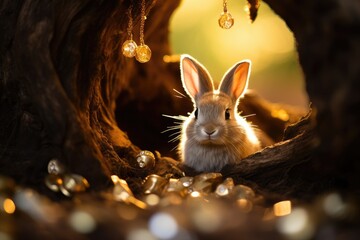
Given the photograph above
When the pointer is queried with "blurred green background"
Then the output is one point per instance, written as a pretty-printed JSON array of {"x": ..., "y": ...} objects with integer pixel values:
[{"x": 268, "y": 43}]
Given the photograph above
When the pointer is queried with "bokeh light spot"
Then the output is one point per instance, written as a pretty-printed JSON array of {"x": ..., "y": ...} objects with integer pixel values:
[
  {"x": 163, "y": 225},
  {"x": 82, "y": 222}
]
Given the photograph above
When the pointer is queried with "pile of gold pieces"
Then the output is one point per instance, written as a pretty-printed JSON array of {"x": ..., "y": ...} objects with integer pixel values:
[
  {"x": 162, "y": 191},
  {"x": 59, "y": 179}
]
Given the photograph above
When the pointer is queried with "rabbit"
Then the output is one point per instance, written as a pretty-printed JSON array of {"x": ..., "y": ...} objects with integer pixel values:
[{"x": 214, "y": 134}]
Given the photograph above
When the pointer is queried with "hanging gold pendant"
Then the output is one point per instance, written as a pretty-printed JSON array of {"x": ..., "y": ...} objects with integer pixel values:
[
  {"x": 226, "y": 21},
  {"x": 143, "y": 53},
  {"x": 129, "y": 48}
]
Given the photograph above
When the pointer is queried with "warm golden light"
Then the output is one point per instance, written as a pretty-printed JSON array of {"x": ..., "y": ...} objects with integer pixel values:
[
  {"x": 280, "y": 114},
  {"x": 152, "y": 199},
  {"x": 297, "y": 225},
  {"x": 267, "y": 42},
  {"x": 114, "y": 178},
  {"x": 282, "y": 208},
  {"x": 248, "y": 129},
  {"x": 9, "y": 206},
  {"x": 244, "y": 204},
  {"x": 194, "y": 28},
  {"x": 195, "y": 194},
  {"x": 171, "y": 58}
]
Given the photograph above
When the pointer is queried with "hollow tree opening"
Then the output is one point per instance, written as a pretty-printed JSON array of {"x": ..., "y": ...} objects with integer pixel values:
[
  {"x": 64, "y": 86},
  {"x": 65, "y": 89}
]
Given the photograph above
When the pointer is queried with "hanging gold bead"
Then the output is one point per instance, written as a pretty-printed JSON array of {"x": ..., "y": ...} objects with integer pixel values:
[
  {"x": 143, "y": 53},
  {"x": 129, "y": 48},
  {"x": 226, "y": 21}
]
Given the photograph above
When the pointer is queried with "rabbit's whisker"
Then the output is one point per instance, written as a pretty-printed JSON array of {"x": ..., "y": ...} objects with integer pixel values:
[
  {"x": 181, "y": 94},
  {"x": 179, "y": 117},
  {"x": 249, "y": 115}
]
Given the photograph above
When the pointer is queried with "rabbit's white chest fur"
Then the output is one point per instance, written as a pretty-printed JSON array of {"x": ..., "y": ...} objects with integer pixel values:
[{"x": 207, "y": 159}]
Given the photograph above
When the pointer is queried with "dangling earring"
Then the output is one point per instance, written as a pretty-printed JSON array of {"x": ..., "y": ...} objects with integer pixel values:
[
  {"x": 143, "y": 52},
  {"x": 226, "y": 21},
  {"x": 129, "y": 46}
]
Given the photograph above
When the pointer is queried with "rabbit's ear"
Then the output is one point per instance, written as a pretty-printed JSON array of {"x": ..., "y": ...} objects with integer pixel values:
[
  {"x": 195, "y": 78},
  {"x": 235, "y": 80}
]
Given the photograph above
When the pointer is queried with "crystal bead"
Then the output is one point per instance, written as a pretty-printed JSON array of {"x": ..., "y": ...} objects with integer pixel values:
[
  {"x": 146, "y": 159},
  {"x": 143, "y": 53},
  {"x": 55, "y": 167},
  {"x": 121, "y": 189},
  {"x": 53, "y": 181},
  {"x": 225, "y": 187},
  {"x": 186, "y": 181},
  {"x": 209, "y": 177},
  {"x": 243, "y": 192},
  {"x": 75, "y": 183},
  {"x": 122, "y": 193},
  {"x": 64, "y": 191},
  {"x": 226, "y": 21},
  {"x": 176, "y": 186},
  {"x": 154, "y": 184},
  {"x": 201, "y": 186},
  {"x": 129, "y": 48}
]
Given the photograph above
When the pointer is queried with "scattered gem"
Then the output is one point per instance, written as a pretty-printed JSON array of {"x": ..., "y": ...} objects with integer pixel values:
[
  {"x": 224, "y": 188},
  {"x": 55, "y": 167},
  {"x": 75, "y": 183},
  {"x": 146, "y": 159},
  {"x": 175, "y": 185},
  {"x": 210, "y": 177},
  {"x": 154, "y": 184},
  {"x": 245, "y": 205},
  {"x": 282, "y": 208},
  {"x": 186, "y": 181},
  {"x": 121, "y": 190},
  {"x": 122, "y": 193},
  {"x": 242, "y": 191},
  {"x": 53, "y": 182},
  {"x": 59, "y": 180}
]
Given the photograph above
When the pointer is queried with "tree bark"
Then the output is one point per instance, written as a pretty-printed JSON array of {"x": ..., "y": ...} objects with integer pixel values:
[{"x": 328, "y": 47}]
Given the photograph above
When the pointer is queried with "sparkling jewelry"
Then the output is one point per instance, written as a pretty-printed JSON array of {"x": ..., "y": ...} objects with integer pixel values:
[
  {"x": 55, "y": 167},
  {"x": 61, "y": 180},
  {"x": 145, "y": 159},
  {"x": 129, "y": 46},
  {"x": 143, "y": 52},
  {"x": 122, "y": 193},
  {"x": 226, "y": 21}
]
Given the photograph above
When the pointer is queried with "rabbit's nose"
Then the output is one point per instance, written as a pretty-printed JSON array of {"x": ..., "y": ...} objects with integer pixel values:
[{"x": 210, "y": 131}]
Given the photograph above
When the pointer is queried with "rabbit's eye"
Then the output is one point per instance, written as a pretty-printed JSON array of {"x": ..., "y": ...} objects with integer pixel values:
[
  {"x": 227, "y": 114},
  {"x": 196, "y": 113}
]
